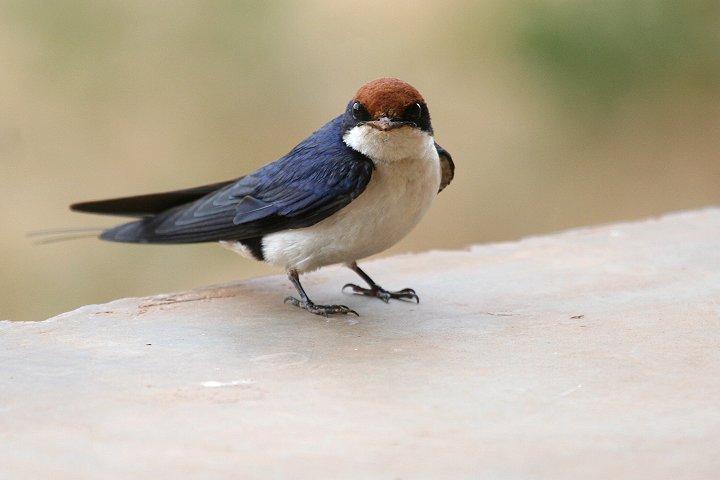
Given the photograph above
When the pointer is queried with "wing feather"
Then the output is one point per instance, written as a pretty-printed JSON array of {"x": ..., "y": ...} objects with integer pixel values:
[
  {"x": 313, "y": 181},
  {"x": 447, "y": 167},
  {"x": 146, "y": 205}
]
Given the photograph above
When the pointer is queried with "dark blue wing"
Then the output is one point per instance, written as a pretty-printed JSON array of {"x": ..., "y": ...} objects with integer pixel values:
[
  {"x": 146, "y": 205},
  {"x": 317, "y": 178},
  {"x": 447, "y": 167}
]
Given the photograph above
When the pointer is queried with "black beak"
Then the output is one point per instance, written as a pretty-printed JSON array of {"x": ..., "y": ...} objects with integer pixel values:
[{"x": 386, "y": 123}]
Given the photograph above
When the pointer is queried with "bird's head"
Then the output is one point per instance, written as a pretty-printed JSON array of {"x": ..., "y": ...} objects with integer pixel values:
[{"x": 387, "y": 119}]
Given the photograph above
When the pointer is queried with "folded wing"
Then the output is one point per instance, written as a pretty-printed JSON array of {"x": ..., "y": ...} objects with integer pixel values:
[
  {"x": 317, "y": 178},
  {"x": 447, "y": 167},
  {"x": 146, "y": 205}
]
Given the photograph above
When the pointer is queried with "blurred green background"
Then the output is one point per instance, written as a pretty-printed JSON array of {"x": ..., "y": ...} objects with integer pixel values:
[{"x": 558, "y": 114}]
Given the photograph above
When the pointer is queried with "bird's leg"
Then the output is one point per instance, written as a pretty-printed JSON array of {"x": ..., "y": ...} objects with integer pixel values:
[
  {"x": 307, "y": 304},
  {"x": 376, "y": 290}
]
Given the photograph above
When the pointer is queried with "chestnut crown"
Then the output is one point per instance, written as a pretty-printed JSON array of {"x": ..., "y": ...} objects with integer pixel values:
[{"x": 391, "y": 98}]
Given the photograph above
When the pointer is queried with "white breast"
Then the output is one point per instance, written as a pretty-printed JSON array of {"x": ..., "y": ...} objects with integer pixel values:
[{"x": 403, "y": 185}]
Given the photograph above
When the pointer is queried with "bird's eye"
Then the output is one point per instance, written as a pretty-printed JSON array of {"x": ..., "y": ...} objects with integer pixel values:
[
  {"x": 359, "y": 113},
  {"x": 413, "y": 113}
]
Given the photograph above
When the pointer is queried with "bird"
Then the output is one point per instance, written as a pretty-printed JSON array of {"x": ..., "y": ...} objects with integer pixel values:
[{"x": 351, "y": 189}]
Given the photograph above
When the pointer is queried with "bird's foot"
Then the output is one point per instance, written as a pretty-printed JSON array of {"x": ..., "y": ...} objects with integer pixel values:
[
  {"x": 323, "y": 310},
  {"x": 382, "y": 294}
]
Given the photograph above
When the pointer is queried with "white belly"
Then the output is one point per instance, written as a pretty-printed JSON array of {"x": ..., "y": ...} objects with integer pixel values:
[{"x": 399, "y": 193}]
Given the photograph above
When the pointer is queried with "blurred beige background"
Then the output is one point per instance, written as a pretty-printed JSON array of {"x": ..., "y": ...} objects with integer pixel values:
[{"x": 558, "y": 114}]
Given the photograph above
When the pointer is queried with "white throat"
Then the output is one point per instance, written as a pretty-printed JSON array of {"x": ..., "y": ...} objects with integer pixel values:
[{"x": 391, "y": 145}]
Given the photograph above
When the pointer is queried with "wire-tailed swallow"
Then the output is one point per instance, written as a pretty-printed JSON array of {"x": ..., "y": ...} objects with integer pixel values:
[{"x": 352, "y": 189}]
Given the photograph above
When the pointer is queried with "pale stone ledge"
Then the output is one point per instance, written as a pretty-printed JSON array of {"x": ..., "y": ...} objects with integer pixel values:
[{"x": 590, "y": 354}]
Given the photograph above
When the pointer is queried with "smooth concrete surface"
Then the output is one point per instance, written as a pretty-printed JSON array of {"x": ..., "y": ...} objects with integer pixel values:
[{"x": 589, "y": 354}]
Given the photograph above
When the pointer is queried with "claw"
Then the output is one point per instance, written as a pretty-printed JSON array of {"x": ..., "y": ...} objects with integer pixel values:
[
  {"x": 323, "y": 310},
  {"x": 382, "y": 294}
]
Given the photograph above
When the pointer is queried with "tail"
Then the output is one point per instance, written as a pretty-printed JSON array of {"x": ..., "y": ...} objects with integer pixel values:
[
  {"x": 44, "y": 237},
  {"x": 144, "y": 207},
  {"x": 140, "y": 231}
]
